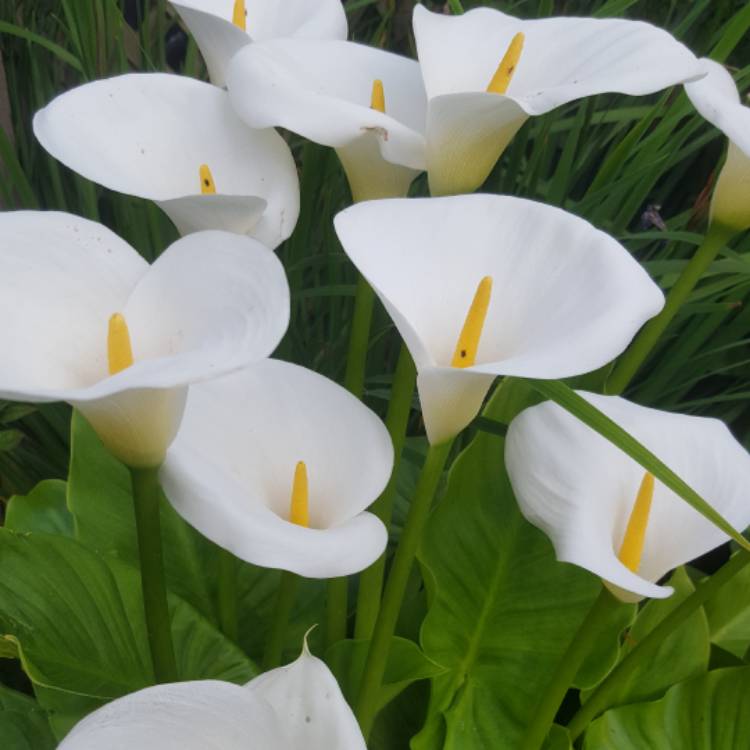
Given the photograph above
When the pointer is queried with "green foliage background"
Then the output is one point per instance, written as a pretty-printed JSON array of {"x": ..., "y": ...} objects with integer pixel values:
[{"x": 626, "y": 165}]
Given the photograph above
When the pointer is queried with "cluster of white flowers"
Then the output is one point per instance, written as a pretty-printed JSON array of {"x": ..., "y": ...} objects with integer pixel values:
[{"x": 169, "y": 362}]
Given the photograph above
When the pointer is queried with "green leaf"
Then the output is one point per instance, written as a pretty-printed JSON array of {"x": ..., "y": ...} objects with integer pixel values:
[
  {"x": 43, "y": 509},
  {"x": 606, "y": 646},
  {"x": 572, "y": 402},
  {"x": 558, "y": 739},
  {"x": 406, "y": 664},
  {"x": 729, "y": 615},
  {"x": 10, "y": 440},
  {"x": 710, "y": 711},
  {"x": 56, "y": 49},
  {"x": 257, "y": 591},
  {"x": 23, "y": 724},
  {"x": 100, "y": 499},
  {"x": 503, "y": 609},
  {"x": 12, "y": 412},
  {"x": 77, "y": 621},
  {"x": 683, "y": 654},
  {"x": 401, "y": 719}
]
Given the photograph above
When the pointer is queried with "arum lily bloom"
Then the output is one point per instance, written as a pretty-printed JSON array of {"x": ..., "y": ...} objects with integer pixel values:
[
  {"x": 176, "y": 141},
  {"x": 277, "y": 464},
  {"x": 297, "y": 707},
  {"x": 222, "y": 27},
  {"x": 602, "y": 511},
  {"x": 366, "y": 103},
  {"x": 487, "y": 72},
  {"x": 91, "y": 323},
  {"x": 484, "y": 285},
  {"x": 717, "y": 99}
]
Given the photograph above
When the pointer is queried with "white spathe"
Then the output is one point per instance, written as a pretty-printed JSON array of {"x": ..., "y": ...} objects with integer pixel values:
[
  {"x": 563, "y": 59},
  {"x": 230, "y": 470},
  {"x": 716, "y": 98},
  {"x": 566, "y": 297},
  {"x": 211, "y": 24},
  {"x": 322, "y": 90},
  {"x": 298, "y": 707},
  {"x": 211, "y": 303},
  {"x": 148, "y": 134},
  {"x": 579, "y": 488},
  {"x": 308, "y": 701}
]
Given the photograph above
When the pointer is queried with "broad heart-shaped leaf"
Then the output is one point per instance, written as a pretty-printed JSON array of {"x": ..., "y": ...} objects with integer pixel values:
[
  {"x": 710, "y": 712},
  {"x": 406, "y": 664},
  {"x": 606, "y": 646},
  {"x": 728, "y": 615},
  {"x": 568, "y": 399},
  {"x": 503, "y": 609},
  {"x": 77, "y": 621},
  {"x": 683, "y": 654},
  {"x": 23, "y": 723},
  {"x": 100, "y": 499},
  {"x": 401, "y": 719},
  {"x": 43, "y": 509}
]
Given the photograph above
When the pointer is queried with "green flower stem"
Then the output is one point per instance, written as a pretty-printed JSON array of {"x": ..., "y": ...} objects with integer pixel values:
[
  {"x": 359, "y": 338},
  {"x": 337, "y": 604},
  {"x": 599, "y": 700},
  {"x": 227, "y": 595},
  {"x": 354, "y": 382},
  {"x": 396, "y": 420},
  {"x": 646, "y": 340},
  {"x": 146, "y": 498},
  {"x": 567, "y": 668},
  {"x": 396, "y": 584},
  {"x": 456, "y": 8},
  {"x": 284, "y": 604}
]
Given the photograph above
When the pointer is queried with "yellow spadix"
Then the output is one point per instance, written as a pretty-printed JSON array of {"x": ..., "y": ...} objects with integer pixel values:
[
  {"x": 208, "y": 186},
  {"x": 299, "y": 512},
  {"x": 501, "y": 80},
  {"x": 377, "y": 98},
  {"x": 468, "y": 341},
  {"x": 635, "y": 533},
  {"x": 239, "y": 16},
  {"x": 119, "y": 350}
]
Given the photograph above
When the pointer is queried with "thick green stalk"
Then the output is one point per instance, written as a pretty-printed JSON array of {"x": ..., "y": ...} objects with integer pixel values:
[
  {"x": 354, "y": 382},
  {"x": 396, "y": 584},
  {"x": 599, "y": 700},
  {"x": 282, "y": 612},
  {"x": 568, "y": 667},
  {"x": 646, "y": 340},
  {"x": 227, "y": 595},
  {"x": 337, "y": 605},
  {"x": 146, "y": 497},
  {"x": 359, "y": 338},
  {"x": 396, "y": 420}
]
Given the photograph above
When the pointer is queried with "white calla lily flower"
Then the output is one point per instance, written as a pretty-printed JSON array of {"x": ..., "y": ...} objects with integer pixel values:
[
  {"x": 222, "y": 27},
  {"x": 599, "y": 508},
  {"x": 717, "y": 99},
  {"x": 90, "y": 322},
  {"x": 176, "y": 141},
  {"x": 366, "y": 103},
  {"x": 277, "y": 464},
  {"x": 485, "y": 285},
  {"x": 298, "y": 707},
  {"x": 487, "y": 72}
]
